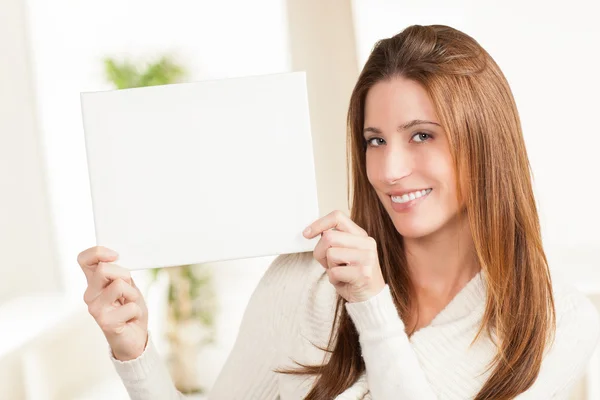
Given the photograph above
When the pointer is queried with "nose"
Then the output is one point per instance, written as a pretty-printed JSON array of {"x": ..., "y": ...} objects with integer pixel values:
[{"x": 397, "y": 163}]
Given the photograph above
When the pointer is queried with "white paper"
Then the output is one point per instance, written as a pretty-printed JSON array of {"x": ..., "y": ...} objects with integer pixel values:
[{"x": 203, "y": 171}]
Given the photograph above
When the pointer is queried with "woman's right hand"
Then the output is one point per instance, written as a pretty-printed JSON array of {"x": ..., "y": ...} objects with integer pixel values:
[{"x": 115, "y": 302}]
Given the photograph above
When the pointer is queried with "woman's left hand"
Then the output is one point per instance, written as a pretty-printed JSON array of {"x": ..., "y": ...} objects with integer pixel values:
[{"x": 349, "y": 255}]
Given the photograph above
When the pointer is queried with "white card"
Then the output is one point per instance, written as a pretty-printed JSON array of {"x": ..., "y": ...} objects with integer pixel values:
[{"x": 203, "y": 171}]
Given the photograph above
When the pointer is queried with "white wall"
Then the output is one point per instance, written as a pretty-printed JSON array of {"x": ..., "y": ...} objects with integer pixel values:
[
  {"x": 28, "y": 262},
  {"x": 322, "y": 42},
  {"x": 548, "y": 52}
]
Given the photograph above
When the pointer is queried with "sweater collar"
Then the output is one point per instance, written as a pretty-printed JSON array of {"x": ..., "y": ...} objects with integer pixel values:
[{"x": 470, "y": 298}]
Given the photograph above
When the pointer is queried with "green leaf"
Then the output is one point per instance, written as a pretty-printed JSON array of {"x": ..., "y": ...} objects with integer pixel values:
[
  {"x": 125, "y": 74},
  {"x": 154, "y": 273}
]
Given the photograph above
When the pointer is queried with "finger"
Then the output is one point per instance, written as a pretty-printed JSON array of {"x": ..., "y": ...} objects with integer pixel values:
[
  {"x": 119, "y": 289},
  {"x": 337, "y": 256},
  {"x": 126, "y": 313},
  {"x": 109, "y": 297},
  {"x": 116, "y": 294},
  {"x": 89, "y": 259},
  {"x": 333, "y": 238},
  {"x": 343, "y": 275},
  {"x": 113, "y": 321},
  {"x": 334, "y": 220},
  {"x": 103, "y": 275}
]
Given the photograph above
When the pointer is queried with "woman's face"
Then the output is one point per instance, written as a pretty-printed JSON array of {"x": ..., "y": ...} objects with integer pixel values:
[{"x": 408, "y": 158}]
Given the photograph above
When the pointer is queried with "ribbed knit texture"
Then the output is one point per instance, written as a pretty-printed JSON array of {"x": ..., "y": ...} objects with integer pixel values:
[{"x": 291, "y": 311}]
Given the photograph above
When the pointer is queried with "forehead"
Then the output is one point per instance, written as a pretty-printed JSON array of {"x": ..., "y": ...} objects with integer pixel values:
[{"x": 396, "y": 101}]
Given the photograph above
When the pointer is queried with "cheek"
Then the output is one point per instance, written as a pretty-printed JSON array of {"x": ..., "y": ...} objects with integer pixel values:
[
  {"x": 449, "y": 185},
  {"x": 372, "y": 170},
  {"x": 439, "y": 167}
]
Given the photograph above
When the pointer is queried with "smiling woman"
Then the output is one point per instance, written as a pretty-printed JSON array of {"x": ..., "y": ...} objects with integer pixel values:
[{"x": 442, "y": 185}]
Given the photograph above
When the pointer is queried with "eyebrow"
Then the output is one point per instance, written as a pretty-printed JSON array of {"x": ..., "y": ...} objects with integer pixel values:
[{"x": 402, "y": 127}]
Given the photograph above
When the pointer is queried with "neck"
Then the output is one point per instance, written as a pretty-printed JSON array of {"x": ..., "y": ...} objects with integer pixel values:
[{"x": 442, "y": 263}]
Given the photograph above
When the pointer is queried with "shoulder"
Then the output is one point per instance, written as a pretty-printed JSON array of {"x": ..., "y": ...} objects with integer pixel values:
[
  {"x": 292, "y": 261},
  {"x": 274, "y": 301},
  {"x": 288, "y": 280},
  {"x": 570, "y": 351},
  {"x": 304, "y": 307},
  {"x": 575, "y": 311},
  {"x": 292, "y": 269},
  {"x": 576, "y": 336}
]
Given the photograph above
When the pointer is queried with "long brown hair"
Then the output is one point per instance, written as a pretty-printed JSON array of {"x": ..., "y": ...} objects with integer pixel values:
[{"x": 477, "y": 110}]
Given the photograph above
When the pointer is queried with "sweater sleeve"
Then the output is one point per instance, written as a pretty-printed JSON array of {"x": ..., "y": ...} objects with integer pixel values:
[
  {"x": 248, "y": 371},
  {"x": 387, "y": 351},
  {"x": 146, "y": 377}
]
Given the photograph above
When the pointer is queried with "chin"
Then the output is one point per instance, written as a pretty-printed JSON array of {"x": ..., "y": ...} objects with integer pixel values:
[
  {"x": 418, "y": 228},
  {"x": 414, "y": 232}
]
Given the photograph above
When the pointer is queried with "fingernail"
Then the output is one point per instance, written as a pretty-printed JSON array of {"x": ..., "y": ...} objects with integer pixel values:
[
  {"x": 307, "y": 231},
  {"x": 114, "y": 253}
]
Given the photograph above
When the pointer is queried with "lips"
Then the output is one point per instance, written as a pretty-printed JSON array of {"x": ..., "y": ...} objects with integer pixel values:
[
  {"x": 409, "y": 200},
  {"x": 408, "y": 196}
]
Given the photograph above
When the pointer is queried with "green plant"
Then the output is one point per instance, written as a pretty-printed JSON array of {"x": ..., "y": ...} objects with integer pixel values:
[{"x": 125, "y": 74}]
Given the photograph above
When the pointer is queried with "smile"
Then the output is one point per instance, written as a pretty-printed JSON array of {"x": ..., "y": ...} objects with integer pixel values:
[{"x": 405, "y": 198}]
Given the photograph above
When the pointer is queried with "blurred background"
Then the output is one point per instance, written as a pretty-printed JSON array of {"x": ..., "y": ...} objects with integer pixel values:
[{"x": 50, "y": 348}]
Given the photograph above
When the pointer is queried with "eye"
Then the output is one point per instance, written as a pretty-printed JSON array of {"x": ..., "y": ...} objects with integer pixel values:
[
  {"x": 375, "y": 142},
  {"x": 421, "y": 137}
]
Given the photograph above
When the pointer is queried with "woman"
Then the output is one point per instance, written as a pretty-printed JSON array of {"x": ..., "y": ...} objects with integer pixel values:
[{"x": 436, "y": 286}]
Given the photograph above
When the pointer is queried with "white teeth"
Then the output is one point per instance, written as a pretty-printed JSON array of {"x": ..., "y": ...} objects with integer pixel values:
[{"x": 410, "y": 196}]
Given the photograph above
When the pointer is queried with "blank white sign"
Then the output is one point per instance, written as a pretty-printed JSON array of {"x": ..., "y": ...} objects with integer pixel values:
[{"x": 203, "y": 171}]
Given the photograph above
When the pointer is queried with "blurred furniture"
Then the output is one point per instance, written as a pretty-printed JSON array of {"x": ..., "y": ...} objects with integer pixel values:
[{"x": 54, "y": 351}]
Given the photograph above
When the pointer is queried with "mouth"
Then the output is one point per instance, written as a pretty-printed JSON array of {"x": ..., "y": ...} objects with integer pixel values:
[{"x": 407, "y": 197}]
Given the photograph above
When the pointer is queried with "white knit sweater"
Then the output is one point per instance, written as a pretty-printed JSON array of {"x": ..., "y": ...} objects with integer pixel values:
[{"x": 293, "y": 306}]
